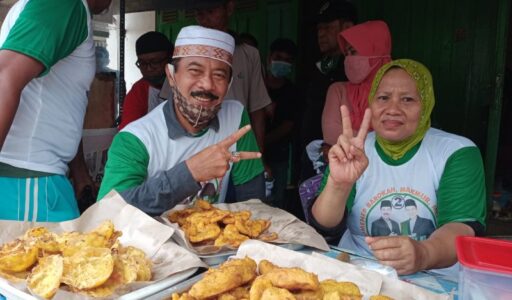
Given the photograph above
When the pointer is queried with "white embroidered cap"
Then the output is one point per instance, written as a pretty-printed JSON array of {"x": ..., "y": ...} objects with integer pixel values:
[{"x": 205, "y": 42}]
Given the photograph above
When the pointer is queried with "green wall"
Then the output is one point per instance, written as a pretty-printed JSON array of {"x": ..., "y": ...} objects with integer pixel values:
[{"x": 266, "y": 20}]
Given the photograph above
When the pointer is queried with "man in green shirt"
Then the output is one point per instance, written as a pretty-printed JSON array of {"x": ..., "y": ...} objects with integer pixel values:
[{"x": 195, "y": 144}]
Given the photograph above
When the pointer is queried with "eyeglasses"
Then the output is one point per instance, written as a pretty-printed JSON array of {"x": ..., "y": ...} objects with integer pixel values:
[{"x": 153, "y": 63}]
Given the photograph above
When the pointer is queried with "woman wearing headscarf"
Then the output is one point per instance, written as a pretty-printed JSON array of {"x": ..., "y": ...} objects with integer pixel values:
[
  {"x": 431, "y": 181},
  {"x": 366, "y": 47}
]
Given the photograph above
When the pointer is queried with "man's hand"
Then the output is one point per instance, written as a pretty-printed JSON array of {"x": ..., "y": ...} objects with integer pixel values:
[
  {"x": 404, "y": 254},
  {"x": 347, "y": 160},
  {"x": 214, "y": 161}
]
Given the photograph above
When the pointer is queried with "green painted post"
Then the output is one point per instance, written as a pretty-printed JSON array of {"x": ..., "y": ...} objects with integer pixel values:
[{"x": 493, "y": 129}]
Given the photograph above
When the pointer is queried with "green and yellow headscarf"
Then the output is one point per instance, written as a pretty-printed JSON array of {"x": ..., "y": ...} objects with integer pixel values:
[{"x": 423, "y": 78}]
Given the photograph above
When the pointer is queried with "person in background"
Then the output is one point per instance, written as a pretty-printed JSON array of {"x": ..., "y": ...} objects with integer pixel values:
[
  {"x": 403, "y": 158},
  {"x": 249, "y": 39},
  {"x": 247, "y": 86},
  {"x": 332, "y": 18},
  {"x": 154, "y": 51},
  {"x": 367, "y": 47},
  {"x": 281, "y": 117},
  {"x": 194, "y": 144},
  {"x": 47, "y": 64}
]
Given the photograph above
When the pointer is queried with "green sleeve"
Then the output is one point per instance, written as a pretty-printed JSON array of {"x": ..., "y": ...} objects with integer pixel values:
[
  {"x": 126, "y": 165},
  {"x": 246, "y": 170},
  {"x": 351, "y": 196},
  {"x": 461, "y": 192},
  {"x": 48, "y": 30}
]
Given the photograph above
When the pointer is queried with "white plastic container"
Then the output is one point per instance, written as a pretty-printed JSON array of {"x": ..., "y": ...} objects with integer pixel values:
[{"x": 486, "y": 268}]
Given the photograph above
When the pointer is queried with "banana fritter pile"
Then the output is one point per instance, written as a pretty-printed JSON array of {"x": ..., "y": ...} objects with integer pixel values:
[
  {"x": 93, "y": 263},
  {"x": 205, "y": 224},
  {"x": 238, "y": 279}
]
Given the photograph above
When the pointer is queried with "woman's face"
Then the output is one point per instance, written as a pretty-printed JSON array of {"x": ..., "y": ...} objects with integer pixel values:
[{"x": 396, "y": 107}]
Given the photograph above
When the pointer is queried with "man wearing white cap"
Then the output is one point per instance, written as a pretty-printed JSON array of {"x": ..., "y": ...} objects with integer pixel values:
[{"x": 196, "y": 143}]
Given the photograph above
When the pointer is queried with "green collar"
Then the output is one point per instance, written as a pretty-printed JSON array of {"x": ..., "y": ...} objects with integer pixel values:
[{"x": 407, "y": 156}]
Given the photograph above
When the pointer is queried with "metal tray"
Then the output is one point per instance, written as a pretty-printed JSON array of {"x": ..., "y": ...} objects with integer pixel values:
[
  {"x": 218, "y": 258},
  {"x": 10, "y": 292}
]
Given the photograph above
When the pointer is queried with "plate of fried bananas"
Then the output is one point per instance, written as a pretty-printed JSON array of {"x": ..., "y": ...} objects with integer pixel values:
[
  {"x": 209, "y": 230},
  {"x": 243, "y": 278},
  {"x": 93, "y": 263}
]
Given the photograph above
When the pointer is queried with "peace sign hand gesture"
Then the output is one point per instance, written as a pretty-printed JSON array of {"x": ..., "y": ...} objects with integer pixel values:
[
  {"x": 347, "y": 160},
  {"x": 214, "y": 161}
]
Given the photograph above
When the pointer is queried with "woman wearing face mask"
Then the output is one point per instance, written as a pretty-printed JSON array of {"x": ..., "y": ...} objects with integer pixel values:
[
  {"x": 280, "y": 116},
  {"x": 367, "y": 47}
]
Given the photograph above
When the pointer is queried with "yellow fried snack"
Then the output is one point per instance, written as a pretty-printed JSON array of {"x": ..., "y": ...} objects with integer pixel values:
[
  {"x": 88, "y": 268},
  {"x": 251, "y": 228},
  {"x": 206, "y": 225},
  {"x": 200, "y": 231},
  {"x": 295, "y": 279},
  {"x": 14, "y": 276},
  {"x": 17, "y": 256},
  {"x": 343, "y": 288},
  {"x": 238, "y": 293},
  {"x": 380, "y": 297},
  {"x": 133, "y": 258},
  {"x": 268, "y": 237},
  {"x": 259, "y": 285},
  {"x": 228, "y": 276},
  {"x": 242, "y": 215},
  {"x": 231, "y": 237},
  {"x": 43, "y": 239},
  {"x": 335, "y": 295},
  {"x": 265, "y": 266},
  {"x": 203, "y": 205},
  {"x": 45, "y": 278},
  {"x": 274, "y": 293},
  {"x": 310, "y": 295}
]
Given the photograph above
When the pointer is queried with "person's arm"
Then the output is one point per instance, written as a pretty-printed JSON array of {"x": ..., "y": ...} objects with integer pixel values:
[
  {"x": 16, "y": 71},
  {"x": 126, "y": 172},
  {"x": 347, "y": 162},
  {"x": 331, "y": 119},
  {"x": 461, "y": 211},
  {"x": 135, "y": 104},
  {"x": 279, "y": 133}
]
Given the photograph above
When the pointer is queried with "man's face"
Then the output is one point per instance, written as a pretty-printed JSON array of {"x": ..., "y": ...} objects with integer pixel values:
[
  {"x": 327, "y": 34},
  {"x": 281, "y": 56},
  {"x": 202, "y": 81},
  {"x": 152, "y": 65},
  {"x": 385, "y": 212},
  {"x": 214, "y": 18},
  {"x": 412, "y": 211}
]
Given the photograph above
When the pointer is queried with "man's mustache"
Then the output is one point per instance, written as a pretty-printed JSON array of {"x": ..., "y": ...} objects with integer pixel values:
[{"x": 204, "y": 94}]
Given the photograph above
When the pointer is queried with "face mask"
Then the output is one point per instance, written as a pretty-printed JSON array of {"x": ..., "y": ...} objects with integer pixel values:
[
  {"x": 280, "y": 69},
  {"x": 156, "y": 80},
  {"x": 357, "y": 68},
  {"x": 197, "y": 115}
]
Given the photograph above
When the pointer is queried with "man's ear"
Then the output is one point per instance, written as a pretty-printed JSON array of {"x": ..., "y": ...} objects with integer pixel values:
[{"x": 169, "y": 71}]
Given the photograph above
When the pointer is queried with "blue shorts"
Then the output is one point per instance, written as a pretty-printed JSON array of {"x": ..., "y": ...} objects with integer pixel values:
[{"x": 41, "y": 199}]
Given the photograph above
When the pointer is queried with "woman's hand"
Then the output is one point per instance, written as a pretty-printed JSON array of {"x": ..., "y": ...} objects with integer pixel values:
[
  {"x": 347, "y": 160},
  {"x": 404, "y": 254}
]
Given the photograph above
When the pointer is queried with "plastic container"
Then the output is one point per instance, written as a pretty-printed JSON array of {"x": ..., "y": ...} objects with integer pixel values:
[{"x": 486, "y": 268}]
